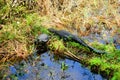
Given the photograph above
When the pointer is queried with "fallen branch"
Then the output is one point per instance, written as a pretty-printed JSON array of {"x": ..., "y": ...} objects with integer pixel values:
[{"x": 58, "y": 48}]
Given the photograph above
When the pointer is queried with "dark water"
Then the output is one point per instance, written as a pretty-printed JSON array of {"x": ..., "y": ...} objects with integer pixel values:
[{"x": 45, "y": 67}]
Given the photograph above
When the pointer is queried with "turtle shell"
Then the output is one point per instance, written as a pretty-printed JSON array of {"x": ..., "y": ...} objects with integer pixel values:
[
  {"x": 43, "y": 38},
  {"x": 40, "y": 43}
]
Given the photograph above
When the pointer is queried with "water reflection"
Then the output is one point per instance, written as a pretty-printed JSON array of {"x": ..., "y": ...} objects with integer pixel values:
[{"x": 45, "y": 67}]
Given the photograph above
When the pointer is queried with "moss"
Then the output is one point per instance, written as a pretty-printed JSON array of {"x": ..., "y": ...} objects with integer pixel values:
[
  {"x": 95, "y": 61},
  {"x": 105, "y": 64},
  {"x": 57, "y": 45},
  {"x": 44, "y": 30},
  {"x": 22, "y": 26},
  {"x": 71, "y": 44},
  {"x": 116, "y": 75},
  {"x": 17, "y": 37}
]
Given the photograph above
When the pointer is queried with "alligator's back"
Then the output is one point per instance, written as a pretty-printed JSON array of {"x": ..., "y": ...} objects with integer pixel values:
[{"x": 68, "y": 36}]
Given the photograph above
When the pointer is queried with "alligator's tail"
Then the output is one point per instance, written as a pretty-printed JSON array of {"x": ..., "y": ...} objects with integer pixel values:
[{"x": 78, "y": 40}]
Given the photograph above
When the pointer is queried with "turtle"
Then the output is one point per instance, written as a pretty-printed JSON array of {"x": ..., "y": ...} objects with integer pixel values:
[{"x": 41, "y": 43}]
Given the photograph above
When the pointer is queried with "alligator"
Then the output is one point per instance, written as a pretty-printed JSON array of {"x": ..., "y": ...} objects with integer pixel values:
[{"x": 66, "y": 36}]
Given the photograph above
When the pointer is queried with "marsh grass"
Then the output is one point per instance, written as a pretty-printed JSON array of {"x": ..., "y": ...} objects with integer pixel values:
[
  {"x": 23, "y": 20},
  {"x": 83, "y": 16},
  {"x": 108, "y": 65},
  {"x": 17, "y": 38}
]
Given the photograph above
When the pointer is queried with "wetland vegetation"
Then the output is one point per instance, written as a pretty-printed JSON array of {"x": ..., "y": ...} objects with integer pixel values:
[{"x": 97, "y": 22}]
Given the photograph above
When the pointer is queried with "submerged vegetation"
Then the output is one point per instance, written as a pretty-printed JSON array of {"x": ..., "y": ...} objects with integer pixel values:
[
  {"x": 107, "y": 65},
  {"x": 21, "y": 21}
]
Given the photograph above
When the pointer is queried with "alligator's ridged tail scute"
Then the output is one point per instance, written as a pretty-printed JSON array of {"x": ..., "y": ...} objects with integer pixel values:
[{"x": 66, "y": 35}]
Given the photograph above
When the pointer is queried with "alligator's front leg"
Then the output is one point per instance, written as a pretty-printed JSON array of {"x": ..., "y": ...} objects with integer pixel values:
[{"x": 66, "y": 35}]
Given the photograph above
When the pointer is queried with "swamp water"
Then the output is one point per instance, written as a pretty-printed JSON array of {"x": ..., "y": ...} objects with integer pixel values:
[{"x": 47, "y": 67}]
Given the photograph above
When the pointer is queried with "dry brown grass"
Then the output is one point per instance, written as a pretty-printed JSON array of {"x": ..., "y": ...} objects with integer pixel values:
[
  {"x": 12, "y": 51},
  {"x": 81, "y": 15},
  {"x": 15, "y": 42}
]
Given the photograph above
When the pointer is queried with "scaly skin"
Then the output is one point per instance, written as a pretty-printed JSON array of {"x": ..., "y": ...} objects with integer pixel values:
[{"x": 68, "y": 36}]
